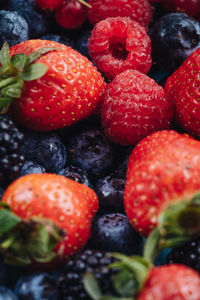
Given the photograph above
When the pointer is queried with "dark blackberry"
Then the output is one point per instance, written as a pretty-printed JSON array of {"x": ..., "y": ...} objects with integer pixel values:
[
  {"x": 188, "y": 254},
  {"x": 110, "y": 192},
  {"x": 76, "y": 174},
  {"x": 37, "y": 287},
  {"x": 70, "y": 280},
  {"x": 11, "y": 139},
  {"x": 114, "y": 233}
]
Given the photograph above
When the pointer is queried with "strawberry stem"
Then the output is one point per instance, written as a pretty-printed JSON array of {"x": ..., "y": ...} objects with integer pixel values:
[
  {"x": 7, "y": 81},
  {"x": 85, "y": 3}
]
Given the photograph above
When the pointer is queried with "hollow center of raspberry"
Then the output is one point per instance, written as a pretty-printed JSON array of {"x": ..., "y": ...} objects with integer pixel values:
[{"x": 118, "y": 49}]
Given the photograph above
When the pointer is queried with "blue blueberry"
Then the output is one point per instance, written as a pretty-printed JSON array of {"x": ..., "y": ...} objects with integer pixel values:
[
  {"x": 62, "y": 39},
  {"x": 31, "y": 167},
  {"x": 37, "y": 22},
  {"x": 13, "y": 28},
  {"x": 113, "y": 233},
  {"x": 174, "y": 37},
  {"x": 90, "y": 150},
  {"x": 76, "y": 174},
  {"x": 1, "y": 192},
  {"x": 6, "y": 294},
  {"x": 82, "y": 43},
  {"x": 36, "y": 287},
  {"x": 47, "y": 149},
  {"x": 110, "y": 192}
]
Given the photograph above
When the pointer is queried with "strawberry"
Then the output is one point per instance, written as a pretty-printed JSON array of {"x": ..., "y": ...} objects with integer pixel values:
[
  {"x": 48, "y": 4},
  {"x": 137, "y": 279},
  {"x": 163, "y": 169},
  {"x": 182, "y": 87},
  {"x": 69, "y": 91},
  {"x": 44, "y": 206},
  {"x": 71, "y": 14}
]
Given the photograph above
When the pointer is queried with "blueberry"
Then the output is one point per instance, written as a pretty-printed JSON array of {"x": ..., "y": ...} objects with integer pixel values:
[
  {"x": 31, "y": 167},
  {"x": 82, "y": 43},
  {"x": 46, "y": 149},
  {"x": 1, "y": 192},
  {"x": 90, "y": 150},
  {"x": 13, "y": 28},
  {"x": 174, "y": 37},
  {"x": 62, "y": 39},
  {"x": 38, "y": 23},
  {"x": 36, "y": 287},
  {"x": 110, "y": 192},
  {"x": 113, "y": 232},
  {"x": 6, "y": 294},
  {"x": 76, "y": 174}
]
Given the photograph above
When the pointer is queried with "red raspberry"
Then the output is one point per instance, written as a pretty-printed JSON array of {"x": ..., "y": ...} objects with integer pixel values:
[
  {"x": 137, "y": 10},
  {"x": 118, "y": 44},
  {"x": 48, "y": 4},
  {"x": 71, "y": 14},
  {"x": 133, "y": 107}
]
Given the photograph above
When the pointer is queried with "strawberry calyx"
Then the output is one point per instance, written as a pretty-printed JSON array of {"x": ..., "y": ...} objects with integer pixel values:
[
  {"x": 17, "y": 69},
  {"x": 128, "y": 282},
  {"x": 179, "y": 223},
  {"x": 25, "y": 241}
]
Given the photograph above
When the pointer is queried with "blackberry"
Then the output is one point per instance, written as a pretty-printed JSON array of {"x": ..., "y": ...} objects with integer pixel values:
[
  {"x": 188, "y": 254},
  {"x": 70, "y": 282},
  {"x": 11, "y": 139}
]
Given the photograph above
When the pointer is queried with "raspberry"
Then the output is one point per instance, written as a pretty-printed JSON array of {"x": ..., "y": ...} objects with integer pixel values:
[
  {"x": 133, "y": 107},
  {"x": 137, "y": 10},
  {"x": 118, "y": 44},
  {"x": 71, "y": 14}
]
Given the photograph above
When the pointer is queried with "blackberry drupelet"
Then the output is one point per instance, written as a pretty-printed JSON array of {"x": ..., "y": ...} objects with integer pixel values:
[
  {"x": 70, "y": 282},
  {"x": 11, "y": 139},
  {"x": 188, "y": 254}
]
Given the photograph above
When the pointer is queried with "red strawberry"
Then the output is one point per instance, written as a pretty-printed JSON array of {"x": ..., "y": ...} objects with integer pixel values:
[
  {"x": 137, "y": 10},
  {"x": 42, "y": 197},
  {"x": 48, "y": 4},
  {"x": 71, "y": 14},
  {"x": 182, "y": 88},
  {"x": 134, "y": 106},
  {"x": 163, "y": 169},
  {"x": 69, "y": 91},
  {"x": 171, "y": 282}
]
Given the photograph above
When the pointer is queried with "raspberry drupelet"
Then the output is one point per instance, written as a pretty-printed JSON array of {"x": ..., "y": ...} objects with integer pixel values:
[{"x": 118, "y": 44}]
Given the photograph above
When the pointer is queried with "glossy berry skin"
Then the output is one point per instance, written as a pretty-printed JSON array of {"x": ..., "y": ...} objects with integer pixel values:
[
  {"x": 47, "y": 149},
  {"x": 140, "y": 11},
  {"x": 7, "y": 294},
  {"x": 113, "y": 233},
  {"x": 48, "y": 4},
  {"x": 171, "y": 282},
  {"x": 13, "y": 28},
  {"x": 191, "y": 8},
  {"x": 134, "y": 106},
  {"x": 39, "y": 286},
  {"x": 67, "y": 203},
  {"x": 118, "y": 44},
  {"x": 90, "y": 150},
  {"x": 37, "y": 22},
  {"x": 71, "y": 14},
  {"x": 110, "y": 192},
  {"x": 76, "y": 174},
  {"x": 188, "y": 254},
  {"x": 43, "y": 105},
  {"x": 173, "y": 38},
  {"x": 31, "y": 167},
  {"x": 182, "y": 87},
  {"x": 70, "y": 280},
  {"x": 163, "y": 168}
]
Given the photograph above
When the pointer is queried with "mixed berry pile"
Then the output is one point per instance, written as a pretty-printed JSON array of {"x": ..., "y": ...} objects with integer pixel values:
[{"x": 100, "y": 149}]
